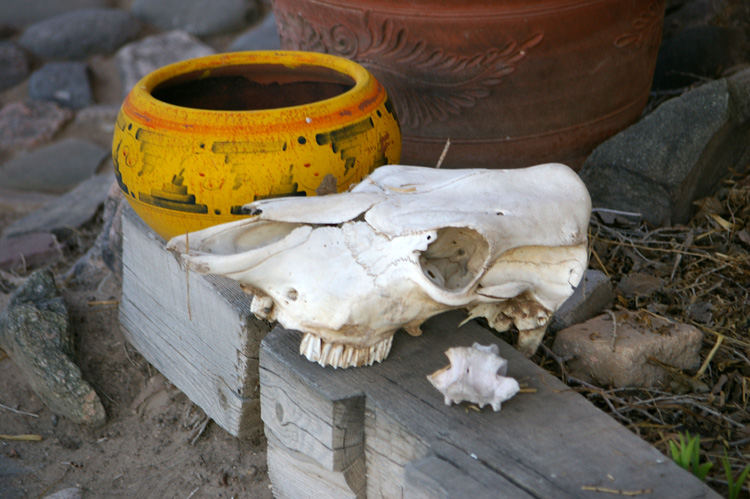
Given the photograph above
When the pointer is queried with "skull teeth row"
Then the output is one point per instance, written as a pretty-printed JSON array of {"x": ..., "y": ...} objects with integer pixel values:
[{"x": 316, "y": 349}]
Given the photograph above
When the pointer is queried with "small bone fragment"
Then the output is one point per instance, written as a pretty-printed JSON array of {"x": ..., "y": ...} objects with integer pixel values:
[{"x": 476, "y": 374}]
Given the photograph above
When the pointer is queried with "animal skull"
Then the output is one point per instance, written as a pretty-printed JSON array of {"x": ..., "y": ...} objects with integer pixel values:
[
  {"x": 407, "y": 243},
  {"x": 476, "y": 374}
]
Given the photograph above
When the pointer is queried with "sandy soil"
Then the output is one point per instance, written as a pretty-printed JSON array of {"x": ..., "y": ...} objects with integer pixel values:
[{"x": 156, "y": 443}]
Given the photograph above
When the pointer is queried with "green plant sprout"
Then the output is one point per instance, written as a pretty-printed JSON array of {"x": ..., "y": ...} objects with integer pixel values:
[
  {"x": 687, "y": 455},
  {"x": 735, "y": 486}
]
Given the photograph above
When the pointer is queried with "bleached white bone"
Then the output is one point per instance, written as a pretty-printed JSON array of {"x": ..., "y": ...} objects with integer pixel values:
[
  {"x": 350, "y": 269},
  {"x": 476, "y": 374}
]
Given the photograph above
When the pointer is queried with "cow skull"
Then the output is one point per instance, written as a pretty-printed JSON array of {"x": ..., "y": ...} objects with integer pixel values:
[{"x": 350, "y": 269}]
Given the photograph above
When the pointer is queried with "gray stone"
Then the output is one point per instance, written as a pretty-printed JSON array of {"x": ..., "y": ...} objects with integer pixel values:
[
  {"x": 35, "y": 333},
  {"x": 69, "y": 493},
  {"x": 140, "y": 58},
  {"x": 23, "y": 201},
  {"x": 66, "y": 83},
  {"x": 21, "y": 13},
  {"x": 197, "y": 17},
  {"x": 263, "y": 36},
  {"x": 699, "y": 53},
  {"x": 591, "y": 296},
  {"x": 28, "y": 124},
  {"x": 55, "y": 168},
  {"x": 675, "y": 155},
  {"x": 81, "y": 33},
  {"x": 14, "y": 65},
  {"x": 106, "y": 252},
  {"x": 28, "y": 251},
  {"x": 63, "y": 215},
  {"x": 594, "y": 358},
  {"x": 100, "y": 118}
]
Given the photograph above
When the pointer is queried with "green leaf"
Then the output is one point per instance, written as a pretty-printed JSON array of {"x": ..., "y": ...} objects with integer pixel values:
[{"x": 703, "y": 470}]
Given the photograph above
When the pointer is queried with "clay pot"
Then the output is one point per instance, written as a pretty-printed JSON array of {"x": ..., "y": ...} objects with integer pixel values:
[
  {"x": 511, "y": 82},
  {"x": 198, "y": 139}
]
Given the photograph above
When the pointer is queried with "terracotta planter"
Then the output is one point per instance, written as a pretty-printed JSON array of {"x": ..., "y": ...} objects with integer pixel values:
[
  {"x": 510, "y": 82},
  {"x": 198, "y": 139}
]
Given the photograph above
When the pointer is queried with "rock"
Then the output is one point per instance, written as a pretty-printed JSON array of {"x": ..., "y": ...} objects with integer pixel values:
[
  {"x": 14, "y": 65},
  {"x": 107, "y": 249},
  {"x": 138, "y": 59},
  {"x": 66, "y": 83},
  {"x": 637, "y": 284},
  {"x": 63, "y": 215},
  {"x": 589, "y": 346},
  {"x": 21, "y": 13},
  {"x": 100, "y": 118},
  {"x": 34, "y": 332},
  {"x": 55, "y": 168},
  {"x": 264, "y": 36},
  {"x": 23, "y": 201},
  {"x": 28, "y": 251},
  {"x": 675, "y": 155},
  {"x": 592, "y": 295},
  {"x": 197, "y": 17},
  {"x": 27, "y": 124},
  {"x": 69, "y": 493},
  {"x": 698, "y": 53},
  {"x": 81, "y": 33}
]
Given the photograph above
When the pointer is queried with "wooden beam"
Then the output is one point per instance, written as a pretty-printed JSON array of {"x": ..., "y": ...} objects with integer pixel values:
[
  {"x": 551, "y": 443},
  {"x": 196, "y": 330}
]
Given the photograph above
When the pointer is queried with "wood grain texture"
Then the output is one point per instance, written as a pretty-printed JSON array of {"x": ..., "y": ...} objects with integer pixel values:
[
  {"x": 552, "y": 443},
  {"x": 209, "y": 348}
]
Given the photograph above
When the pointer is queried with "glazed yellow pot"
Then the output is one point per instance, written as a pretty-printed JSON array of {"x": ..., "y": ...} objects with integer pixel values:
[{"x": 198, "y": 139}]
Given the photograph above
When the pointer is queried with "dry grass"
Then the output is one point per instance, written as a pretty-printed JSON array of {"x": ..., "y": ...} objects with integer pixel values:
[{"x": 705, "y": 267}]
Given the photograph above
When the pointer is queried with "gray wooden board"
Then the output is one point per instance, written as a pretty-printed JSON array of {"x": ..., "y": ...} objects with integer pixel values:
[
  {"x": 552, "y": 443},
  {"x": 209, "y": 349}
]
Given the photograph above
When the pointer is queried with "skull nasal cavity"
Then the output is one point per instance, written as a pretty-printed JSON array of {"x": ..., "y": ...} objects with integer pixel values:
[{"x": 455, "y": 258}]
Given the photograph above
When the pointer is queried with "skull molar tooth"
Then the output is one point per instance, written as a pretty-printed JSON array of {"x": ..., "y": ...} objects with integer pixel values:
[{"x": 325, "y": 353}]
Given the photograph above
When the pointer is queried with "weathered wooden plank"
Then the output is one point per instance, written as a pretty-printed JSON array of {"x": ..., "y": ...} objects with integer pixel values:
[
  {"x": 438, "y": 477},
  {"x": 330, "y": 431},
  {"x": 196, "y": 330},
  {"x": 552, "y": 443},
  {"x": 296, "y": 475}
]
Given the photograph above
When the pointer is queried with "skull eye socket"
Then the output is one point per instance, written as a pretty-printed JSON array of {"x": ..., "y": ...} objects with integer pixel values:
[{"x": 455, "y": 258}]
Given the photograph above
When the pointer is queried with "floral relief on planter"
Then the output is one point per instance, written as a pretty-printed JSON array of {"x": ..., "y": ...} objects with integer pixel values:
[
  {"x": 511, "y": 83},
  {"x": 428, "y": 83}
]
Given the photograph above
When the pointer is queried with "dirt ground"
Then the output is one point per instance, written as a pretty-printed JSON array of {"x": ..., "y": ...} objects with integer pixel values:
[{"x": 156, "y": 443}]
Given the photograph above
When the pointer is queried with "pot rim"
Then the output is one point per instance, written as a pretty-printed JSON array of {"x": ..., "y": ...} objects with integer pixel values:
[{"x": 362, "y": 96}]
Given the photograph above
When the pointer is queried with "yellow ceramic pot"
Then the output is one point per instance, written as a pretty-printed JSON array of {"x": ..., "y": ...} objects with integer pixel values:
[{"x": 198, "y": 139}]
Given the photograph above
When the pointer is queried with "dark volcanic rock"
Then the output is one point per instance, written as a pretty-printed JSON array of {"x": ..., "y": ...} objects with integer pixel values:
[
  {"x": 55, "y": 168},
  {"x": 675, "y": 155},
  {"x": 34, "y": 331},
  {"x": 14, "y": 65},
  {"x": 197, "y": 17},
  {"x": 66, "y": 83},
  {"x": 20, "y": 13},
  {"x": 81, "y": 33},
  {"x": 264, "y": 36}
]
